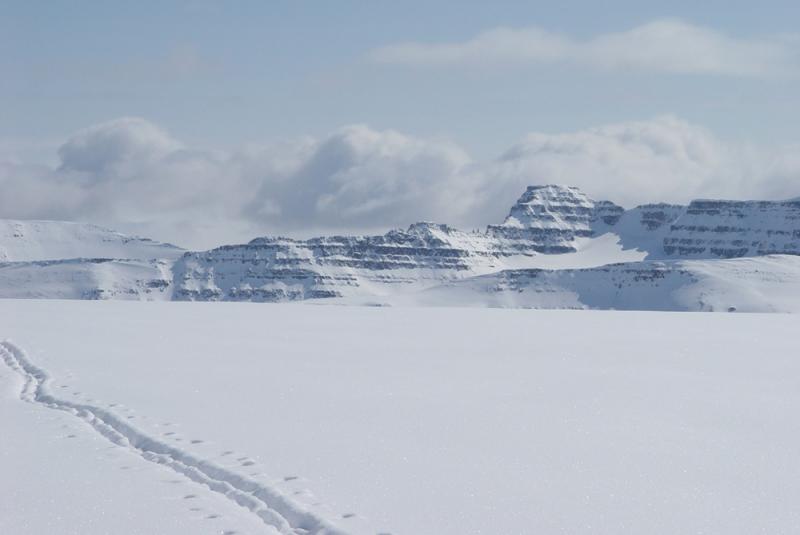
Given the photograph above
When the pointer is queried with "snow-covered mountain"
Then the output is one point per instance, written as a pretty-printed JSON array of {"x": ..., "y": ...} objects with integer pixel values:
[
  {"x": 730, "y": 229},
  {"x": 24, "y": 241},
  {"x": 753, "y": 284},
  {"x": 557, "y": 248},
  {"x": 549, "y": 219},
  {"x": 87, "y": 278},
  {"x": 66, "y": 260}
]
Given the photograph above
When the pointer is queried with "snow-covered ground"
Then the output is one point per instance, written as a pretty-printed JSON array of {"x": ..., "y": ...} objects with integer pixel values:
[{"x": 216, "y": 418}]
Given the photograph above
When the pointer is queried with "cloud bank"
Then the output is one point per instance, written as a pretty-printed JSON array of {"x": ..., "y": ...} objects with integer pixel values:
[
  {"x": 132, "y": 175},
  {"x": 667, "y": 45}
]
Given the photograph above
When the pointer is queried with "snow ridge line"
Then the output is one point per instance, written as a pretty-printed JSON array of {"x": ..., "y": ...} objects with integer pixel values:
[{"x": 270, "y": 505}]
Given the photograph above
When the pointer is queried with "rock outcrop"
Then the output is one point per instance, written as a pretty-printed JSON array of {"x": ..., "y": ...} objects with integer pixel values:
[
  {"x": 549, "y": 219},
  {"x": 731, "y": 229}
]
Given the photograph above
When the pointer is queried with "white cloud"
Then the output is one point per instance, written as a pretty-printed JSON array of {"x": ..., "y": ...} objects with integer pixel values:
[
  {"x": 666, "y": 45},
  {"x": 101, "y": 149},
  {"x": 132, "y": 175},
  {"x": 663, "y": 159},
  {"x": 357, "y": 177}
]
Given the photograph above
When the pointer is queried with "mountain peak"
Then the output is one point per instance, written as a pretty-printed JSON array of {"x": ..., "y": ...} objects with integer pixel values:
[{"x": 551, "y": 206}]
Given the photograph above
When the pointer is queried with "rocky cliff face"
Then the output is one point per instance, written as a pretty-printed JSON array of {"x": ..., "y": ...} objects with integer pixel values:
[
  {"x": 729, "y": 229},
  {"x": 549, "y": 219},
  {"x": 280, "y": 269},
  {"x": 645, "y": 227},
  {"x": 545, "y": 220}
]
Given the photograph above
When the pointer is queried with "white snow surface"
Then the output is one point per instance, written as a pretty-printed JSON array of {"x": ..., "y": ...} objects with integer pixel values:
[
  {"x": 81, "y": 278},
  {"x": 127, "y": 418},
  {"x": 756, "y": 284},
  {"x": 25, "y": 241}
]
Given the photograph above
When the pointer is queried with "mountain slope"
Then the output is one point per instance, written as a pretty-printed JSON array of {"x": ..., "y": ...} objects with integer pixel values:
[
  {"x": 82, "y": 278},
  {"x": 400, "y": 261},
  {"x": 730, "y": 229},
  {"x": 757, "y": 284},
  {"x": 25, "y": 241}
]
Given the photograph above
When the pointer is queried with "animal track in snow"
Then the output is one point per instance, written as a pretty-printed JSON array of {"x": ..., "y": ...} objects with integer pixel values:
[{"x": 268, "y": 504}]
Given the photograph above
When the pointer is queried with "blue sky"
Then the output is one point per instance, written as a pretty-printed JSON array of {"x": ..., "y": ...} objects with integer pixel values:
[
  {"x": 482, "y": 76},
  {"x": 219, "y": 73}
]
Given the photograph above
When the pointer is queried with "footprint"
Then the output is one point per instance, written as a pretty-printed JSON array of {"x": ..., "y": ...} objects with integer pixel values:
[
  {"x": 196, "y": 441},
  {"x": 291, "y": 478},
  {"x": 348, "y": 515},
  {"x": 229, "y": 532},
  {"x": 195, "y": 509},
  {"x": 212, "y": 517},
  {"x": 242, "y": 459},
  {"x": 248, "y": 463},
  {"x": 131, "y": 417},
  {"x": 228, "y": 452},
  {"x": 169, "y": 434},
  {"x": 71, "y": 436},
  {"x": 190, "y": 496}
]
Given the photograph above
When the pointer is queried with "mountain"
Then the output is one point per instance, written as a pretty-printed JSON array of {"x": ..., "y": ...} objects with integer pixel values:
[
  {"x": 22, "y": 241},
  {"x": 754, "y": 284},
  {"x": 557, "y": 248},
  {"x": 422, "y": 256},
  {"x": 730, "y": 229},
  {"x": 87, "y": 278},
  {"x": 549, "y": 219},
  {"x": 66, "y": 260}
]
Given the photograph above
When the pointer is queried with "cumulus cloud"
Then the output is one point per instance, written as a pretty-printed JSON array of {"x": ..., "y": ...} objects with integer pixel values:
[
  {"x": 132, "y": 175},
  {"x": 102, "y": 149},
  {"x": 664, "y": 158},
  {"x": 357, "y": 175},
  {"x": 666, "y": 45}
]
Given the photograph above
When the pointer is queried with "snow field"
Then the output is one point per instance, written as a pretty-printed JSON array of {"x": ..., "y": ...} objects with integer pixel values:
[{"x": 409, "y": 420}]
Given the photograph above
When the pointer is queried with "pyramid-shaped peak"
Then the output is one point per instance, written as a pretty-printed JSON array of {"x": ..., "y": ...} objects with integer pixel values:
[
  {"x": 552, "y": 205},
  {"x": 551, "y": 217},
  {"x": 553, "y": 193}
]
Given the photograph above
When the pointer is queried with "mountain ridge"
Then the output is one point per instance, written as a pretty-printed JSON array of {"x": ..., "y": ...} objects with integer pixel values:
[{"x": 551, "y": 228}]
